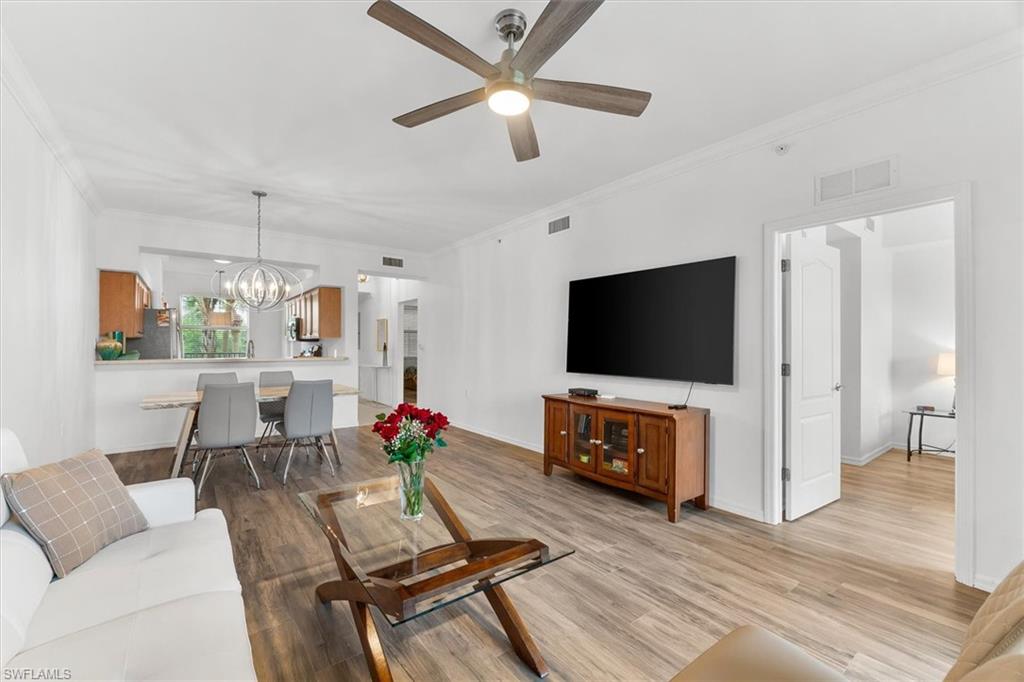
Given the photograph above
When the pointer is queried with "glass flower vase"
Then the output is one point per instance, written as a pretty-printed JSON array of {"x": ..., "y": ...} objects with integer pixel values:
[{"x": 410, "y": 489}]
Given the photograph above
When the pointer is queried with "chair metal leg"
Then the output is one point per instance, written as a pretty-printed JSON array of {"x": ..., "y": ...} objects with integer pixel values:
[
  {"x": 208, "y": 462},
  {"x": 322, "y": 451},
  {"x": 259, "y": 445},
  {"x": 250, "y": 467},
  {"x": 288, "y": 463},
  {"x": 279, "y": 453}
]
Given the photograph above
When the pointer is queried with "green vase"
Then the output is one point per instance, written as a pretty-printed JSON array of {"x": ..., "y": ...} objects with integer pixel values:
[{"x": 108, "y": 348}]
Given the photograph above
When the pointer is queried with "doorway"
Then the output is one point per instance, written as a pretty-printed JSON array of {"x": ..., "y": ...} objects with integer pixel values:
[
  {"x": 388, "y": 343},
  {"x": 410, "y": 349},
  {"x": 804, "y": 414},
  {"x": 869, "y": 337}
]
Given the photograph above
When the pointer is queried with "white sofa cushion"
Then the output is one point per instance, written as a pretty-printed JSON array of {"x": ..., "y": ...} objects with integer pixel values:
[
  {"x": 171, "y": 500},
  {"x": 25, "y": 575},
  {"x": 25, "y": 572},
  {"x": 202, "y": 637},
  {"x": 158, "y": 566}
]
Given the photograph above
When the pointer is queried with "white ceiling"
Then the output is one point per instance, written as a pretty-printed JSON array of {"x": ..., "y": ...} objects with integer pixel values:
[{"x": 181, "y": 108}]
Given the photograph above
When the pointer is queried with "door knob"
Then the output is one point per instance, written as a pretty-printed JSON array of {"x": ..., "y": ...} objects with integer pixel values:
[
  {"x": 639, "y": 451},
  {"x": 837, "y": 386},
  {"x": 561, "y": 433}
]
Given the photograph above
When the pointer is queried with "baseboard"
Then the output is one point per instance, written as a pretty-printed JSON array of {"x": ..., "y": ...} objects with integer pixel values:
[
  {"x": 735, "y": 508},
  {"x": 984, "y": 582},
  {"x": 136, "y": 447},
  {"x": 864, "y": 459},
  {"x": 534, "y": 447}
]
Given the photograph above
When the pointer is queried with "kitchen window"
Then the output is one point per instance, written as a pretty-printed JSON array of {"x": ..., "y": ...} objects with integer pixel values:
[{"x": 213, "y": 327}]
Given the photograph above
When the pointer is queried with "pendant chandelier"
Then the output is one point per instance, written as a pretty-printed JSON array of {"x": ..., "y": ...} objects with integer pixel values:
[{"x": 257, "y": 284}]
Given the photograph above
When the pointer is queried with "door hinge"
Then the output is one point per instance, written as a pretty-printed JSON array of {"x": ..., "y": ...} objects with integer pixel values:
[
  {"x": 785, "y": 265},
  {"x": 785, "y": 473},
  {"x": 785, "y": 369}
]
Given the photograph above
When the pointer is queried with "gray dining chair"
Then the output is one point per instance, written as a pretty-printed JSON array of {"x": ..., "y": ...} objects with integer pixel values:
[
  {"x": 227, "y": 421},
  {"x": 307, "y": 419},
  {"x": 205, "y": 379},
  {"x": 272, "y": 413}
]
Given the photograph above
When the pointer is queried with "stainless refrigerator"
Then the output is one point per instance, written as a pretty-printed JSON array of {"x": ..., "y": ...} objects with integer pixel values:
[{"x": 161, "y": 335}]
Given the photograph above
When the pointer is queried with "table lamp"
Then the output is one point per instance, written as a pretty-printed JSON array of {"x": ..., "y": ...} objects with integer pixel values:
[{"x": 946, "y": 367}]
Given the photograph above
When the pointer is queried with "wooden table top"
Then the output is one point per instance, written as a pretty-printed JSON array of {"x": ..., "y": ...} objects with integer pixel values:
[{"x": 166, "y": 401}]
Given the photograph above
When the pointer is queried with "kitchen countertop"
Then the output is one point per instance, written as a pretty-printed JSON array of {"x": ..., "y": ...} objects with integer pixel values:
[{"x": 186, "y": 362}]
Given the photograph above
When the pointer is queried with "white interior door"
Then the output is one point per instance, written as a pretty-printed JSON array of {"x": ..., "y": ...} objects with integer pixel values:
[{"x": 812, "y": 391}]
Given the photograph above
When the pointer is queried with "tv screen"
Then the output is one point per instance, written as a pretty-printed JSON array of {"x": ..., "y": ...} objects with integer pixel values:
[{"x": 672, "y": 323}]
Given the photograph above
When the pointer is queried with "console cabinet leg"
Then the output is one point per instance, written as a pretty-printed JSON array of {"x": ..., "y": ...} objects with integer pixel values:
[
  {"x": 701, "y": 502},
  {"x": 547, "y": 467}
]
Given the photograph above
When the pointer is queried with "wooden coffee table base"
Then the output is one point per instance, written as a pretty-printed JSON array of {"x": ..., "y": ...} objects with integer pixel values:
[{"x": 381, "y": 587}]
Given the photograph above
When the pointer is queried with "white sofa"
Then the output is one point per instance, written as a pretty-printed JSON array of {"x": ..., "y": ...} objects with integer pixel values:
[{"x": 161, "y": 604}]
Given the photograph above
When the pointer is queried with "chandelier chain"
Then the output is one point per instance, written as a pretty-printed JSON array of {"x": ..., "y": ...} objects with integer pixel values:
[{"x": 259, "y": 228}]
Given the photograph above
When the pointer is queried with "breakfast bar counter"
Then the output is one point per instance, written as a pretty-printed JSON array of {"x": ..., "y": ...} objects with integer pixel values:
[{"x": 123, "y": 385}]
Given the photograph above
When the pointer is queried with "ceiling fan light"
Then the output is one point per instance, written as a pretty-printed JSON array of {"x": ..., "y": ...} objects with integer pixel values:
[{"x": 508, "y": 102}]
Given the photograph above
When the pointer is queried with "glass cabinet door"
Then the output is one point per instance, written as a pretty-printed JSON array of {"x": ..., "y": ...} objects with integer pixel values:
[
  {"x": 616, "y": 445},
  {"x": 583, "y": 438}
]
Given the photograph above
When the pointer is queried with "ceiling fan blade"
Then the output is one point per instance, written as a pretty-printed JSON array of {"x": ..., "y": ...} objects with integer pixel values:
[
  {"x": 590, "y": 96},
  {"x": 556, "y": 24},
  {"x": 442, "y": 108},
  {"x": 524, "y": 139},
  {"x": 409, "y": 24}
]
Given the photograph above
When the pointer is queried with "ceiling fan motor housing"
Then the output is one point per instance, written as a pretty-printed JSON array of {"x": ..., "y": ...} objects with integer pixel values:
[{"x": 510, "y": 23}]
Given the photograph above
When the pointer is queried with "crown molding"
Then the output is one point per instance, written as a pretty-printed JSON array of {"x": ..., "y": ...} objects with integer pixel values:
[
  {"x": 19, "y": 83},
  {"x": 172, "y": 221},
  {"x": 1002, "y": 48}
]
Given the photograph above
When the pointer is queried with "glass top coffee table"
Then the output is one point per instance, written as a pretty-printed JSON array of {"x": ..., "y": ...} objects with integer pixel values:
[{"x": 410, "y": 568}]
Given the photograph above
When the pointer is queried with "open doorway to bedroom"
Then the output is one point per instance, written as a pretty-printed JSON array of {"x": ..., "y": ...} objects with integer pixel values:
[
  {"x": 869, "y": 337},
  {"x": 870, "y": 398}
]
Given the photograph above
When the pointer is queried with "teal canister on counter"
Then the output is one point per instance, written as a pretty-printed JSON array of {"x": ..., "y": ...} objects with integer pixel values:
[{"x": 118, "y": 336}]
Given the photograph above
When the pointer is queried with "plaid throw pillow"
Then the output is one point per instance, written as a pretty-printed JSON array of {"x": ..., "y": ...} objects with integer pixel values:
[{"x": 73, "y": 508}]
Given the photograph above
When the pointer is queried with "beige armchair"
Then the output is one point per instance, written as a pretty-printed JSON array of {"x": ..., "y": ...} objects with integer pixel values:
[{"x": 993, "y": 650}]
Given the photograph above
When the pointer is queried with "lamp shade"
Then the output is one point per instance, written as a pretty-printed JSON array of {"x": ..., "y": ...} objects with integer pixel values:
[{"x": 946, "y": 366}]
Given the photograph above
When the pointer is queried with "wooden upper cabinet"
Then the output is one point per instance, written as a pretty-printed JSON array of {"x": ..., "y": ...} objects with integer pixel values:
[
  {"x": 320, "y": 313},
  {"x": 124, "y": 298}
]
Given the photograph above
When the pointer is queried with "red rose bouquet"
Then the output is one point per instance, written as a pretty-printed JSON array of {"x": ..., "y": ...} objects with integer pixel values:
[{"x": 409, "y": 434}]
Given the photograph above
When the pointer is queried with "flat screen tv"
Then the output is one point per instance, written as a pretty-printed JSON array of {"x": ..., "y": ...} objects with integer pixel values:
[{"x": 675, "y": 323}]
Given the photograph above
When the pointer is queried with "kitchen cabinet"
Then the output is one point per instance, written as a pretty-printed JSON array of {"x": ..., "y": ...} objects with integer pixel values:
[
  {"x": 320, "y": 313},
  {"x": 124, "y": 297}
]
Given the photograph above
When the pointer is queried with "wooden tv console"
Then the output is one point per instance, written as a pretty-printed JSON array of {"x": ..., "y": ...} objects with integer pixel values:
[{"x": 640, "y": 446}]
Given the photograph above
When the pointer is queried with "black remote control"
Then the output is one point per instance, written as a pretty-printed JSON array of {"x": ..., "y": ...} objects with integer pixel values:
[{"x": 677, "y": 407}]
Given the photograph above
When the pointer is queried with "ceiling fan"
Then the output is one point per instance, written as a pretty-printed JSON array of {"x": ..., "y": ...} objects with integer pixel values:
[{"x": 510, "y": 84}]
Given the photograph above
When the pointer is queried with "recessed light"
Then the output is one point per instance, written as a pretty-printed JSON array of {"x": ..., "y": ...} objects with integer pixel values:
[{"x": 222, "y": 261}]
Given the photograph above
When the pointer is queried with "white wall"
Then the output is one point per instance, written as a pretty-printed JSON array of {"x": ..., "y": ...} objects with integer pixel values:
[
  {"x": 494, "y": 317},
  {"x": 48, "y": 295},
  {"x": 924, "y": 325},
  {"x": 876, "y": 397}
]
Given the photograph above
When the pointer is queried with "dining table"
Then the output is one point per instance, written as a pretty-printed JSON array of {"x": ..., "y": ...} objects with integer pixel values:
[{"x": 190, "y": 400}]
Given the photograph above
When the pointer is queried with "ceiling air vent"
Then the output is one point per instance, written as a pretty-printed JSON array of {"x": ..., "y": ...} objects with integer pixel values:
[
  {"x": 393, "y": 262},
  {"x": 559, "y": 225},
  {"x": 852, "y": 182}
]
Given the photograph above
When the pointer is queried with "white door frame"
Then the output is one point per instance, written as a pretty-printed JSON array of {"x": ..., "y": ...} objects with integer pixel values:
[{"x": 960, "y": 194}]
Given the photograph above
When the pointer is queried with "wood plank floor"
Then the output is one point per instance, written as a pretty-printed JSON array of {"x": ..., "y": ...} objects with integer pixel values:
[{"x": 865, "y": 584}]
